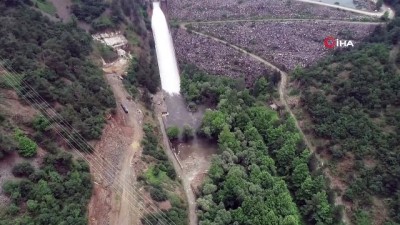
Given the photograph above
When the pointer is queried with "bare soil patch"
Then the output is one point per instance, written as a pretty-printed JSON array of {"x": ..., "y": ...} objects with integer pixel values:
[
  {"x": 195, "y": 158},
  {"x": 63, "y": 9}
]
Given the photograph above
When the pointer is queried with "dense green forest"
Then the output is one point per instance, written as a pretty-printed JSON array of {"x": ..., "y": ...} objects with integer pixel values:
[
  {"x": 55, "y": 193},
  {"x": 359, "y": 115},
  {"x": 52, "y": 59},
  {"x": 143, "y": 69},
  {"x": 120, "y": 12},
  {"x": 353, "y": 100},
  {"x": 263, "y": 174},
  {"x": 88, "y": 10}
]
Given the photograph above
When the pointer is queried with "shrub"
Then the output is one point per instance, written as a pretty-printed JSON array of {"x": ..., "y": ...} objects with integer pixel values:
[
  {"x": 41, "y": 123},
  {"x": 158, "y": 194},
  {"x": 169, "y": 169},
  {"x": 187, "y": 132},
  {"x": 23, "y": 169},
  {"x": 26, "y": 147},
  {"x": 7, "y": 145},
  {"x": 13, "y": 209},
  {"x": 173, "y": 132}
]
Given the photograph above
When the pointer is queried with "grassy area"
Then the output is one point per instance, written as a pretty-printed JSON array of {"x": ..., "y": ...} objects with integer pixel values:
[
  {"x": 8, "y": 82},
  {"x": 132, "y": 37},
  {"x": 154, "y": 176},
  {"x": 46, "y": 6}
]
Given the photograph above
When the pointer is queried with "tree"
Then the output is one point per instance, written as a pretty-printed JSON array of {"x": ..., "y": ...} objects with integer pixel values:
[
  {"x": 23, "y": 169},
  {"x": 41, "y": 123},
  {"x": 158, "y": 194},
  {"x": 261, "y": 87},
  {"x": 26, "y": 147},
  {"x": 300, "y": 174},
  {"x": 362, "y": 218},
  {"x": 187, "y": 132},
  {"x": 227, "y": 140},
  {"x": 214, "y": 121},
  {"x": 319, "y": 209},
  {"x": 173, "y": 132},
  {"x": 7, "y": 145},
  {"x": 379, "y": 4}
]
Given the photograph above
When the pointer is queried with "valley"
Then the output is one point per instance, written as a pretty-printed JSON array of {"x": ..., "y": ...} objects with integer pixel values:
[{"x": 199, "y": 112}]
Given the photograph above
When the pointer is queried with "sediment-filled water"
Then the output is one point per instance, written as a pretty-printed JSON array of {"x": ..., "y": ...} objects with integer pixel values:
[{"x": 167, "y": 65}]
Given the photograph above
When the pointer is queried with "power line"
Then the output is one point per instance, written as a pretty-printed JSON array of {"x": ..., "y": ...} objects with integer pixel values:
[{"x": 80, "y": 142}]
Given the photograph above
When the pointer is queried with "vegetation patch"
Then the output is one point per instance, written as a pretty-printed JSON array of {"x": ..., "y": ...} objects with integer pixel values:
[
  {"x": 154, "y": 176},
  {"x": 161, "y": 181},
  {"x": 263, "y": 174},
  {"x": 358, "y": 116},
  {"x": 58, "y": 67},
  {"x": 26, "y": 146},
  {"x": 173, "y": 132},
  {"x": 46, "y": 6},
  {"x": 47, "y": 195}
]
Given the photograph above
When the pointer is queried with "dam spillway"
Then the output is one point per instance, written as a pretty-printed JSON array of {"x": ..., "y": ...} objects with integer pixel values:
[
  {"x": 169, "y": 73},
  {"x": 178, "y": 114}
]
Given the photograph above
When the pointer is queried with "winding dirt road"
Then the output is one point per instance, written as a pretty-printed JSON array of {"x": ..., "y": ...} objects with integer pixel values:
[
  {"x": 373, "y": 14},
  {"x": 278, "y": 20}
]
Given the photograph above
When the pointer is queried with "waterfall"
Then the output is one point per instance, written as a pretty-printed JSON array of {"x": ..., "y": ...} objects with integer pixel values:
[{"x": 167, "y": 65}]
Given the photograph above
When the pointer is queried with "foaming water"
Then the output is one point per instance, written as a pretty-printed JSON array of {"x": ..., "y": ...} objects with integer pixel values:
[{"x": 167, "y": 65}]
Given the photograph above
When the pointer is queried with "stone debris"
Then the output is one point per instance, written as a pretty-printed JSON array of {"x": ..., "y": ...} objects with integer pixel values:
[
  {"x": 216, "y": 58},
  {"x": 115, "y": 40},
  {"x": 285, "y": 44}
]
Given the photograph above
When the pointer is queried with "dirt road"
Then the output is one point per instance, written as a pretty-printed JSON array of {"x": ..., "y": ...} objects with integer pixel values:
[
  {"x": 116, "y": 202},
  {"x": 122, "y": 213},
  {"x": 373, "y": 14},
  {"x": 279, "y": 20}
]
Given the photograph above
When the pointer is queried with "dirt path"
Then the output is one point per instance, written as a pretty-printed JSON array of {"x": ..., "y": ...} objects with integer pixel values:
[
  {"x": 122, "y": 212},
  {"x": 279, "y": 20},
  {"x": 282, "y": 89},
  {"x": 373, "y": 14}
]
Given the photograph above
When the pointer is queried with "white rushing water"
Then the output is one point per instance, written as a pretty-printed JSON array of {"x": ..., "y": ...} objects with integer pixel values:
[{"x": 167, "y": 65}]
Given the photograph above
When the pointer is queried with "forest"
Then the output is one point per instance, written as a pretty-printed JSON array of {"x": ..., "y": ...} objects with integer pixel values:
[
  {"x": 88, "y": 10},
  {"x": 264, "y": 173},
  {"x": 55, "y": 193},
  {"x": 51, "y": 58},
  {"x": 353, "y": 101},
  {"x": 359, "y": 116}
]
